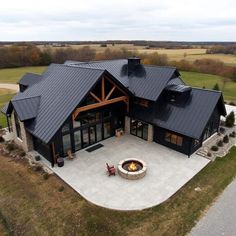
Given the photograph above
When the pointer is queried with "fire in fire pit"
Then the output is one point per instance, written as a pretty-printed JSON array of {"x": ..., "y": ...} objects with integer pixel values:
[
  {"x": 132, "y": 168},
  {"x": 132, "y": 165}
]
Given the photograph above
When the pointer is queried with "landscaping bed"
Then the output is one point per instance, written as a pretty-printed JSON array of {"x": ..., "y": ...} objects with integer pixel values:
[{"x": 31, "y": 204}]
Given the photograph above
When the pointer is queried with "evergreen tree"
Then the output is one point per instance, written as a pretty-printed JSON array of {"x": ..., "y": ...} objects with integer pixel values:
[
  {"x": 230, "y": 119},
  {"x": 216, "y": 87}
]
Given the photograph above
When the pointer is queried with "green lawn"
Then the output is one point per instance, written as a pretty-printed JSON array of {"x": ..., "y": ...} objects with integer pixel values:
[
  {"x": 13, "y": 75},
  {"x": 31, "y": 205},
  {"x": 208, "y": 81},
  {"x": 5, "y": 96}
]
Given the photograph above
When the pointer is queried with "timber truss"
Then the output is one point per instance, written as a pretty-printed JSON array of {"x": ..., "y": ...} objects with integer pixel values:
[{"x": 104, "y": 99}]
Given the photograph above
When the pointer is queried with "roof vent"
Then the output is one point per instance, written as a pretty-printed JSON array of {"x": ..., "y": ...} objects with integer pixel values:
[{"x": 133, "y": 62}]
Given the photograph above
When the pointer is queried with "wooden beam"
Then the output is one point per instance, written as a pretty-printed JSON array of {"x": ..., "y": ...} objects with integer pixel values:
[
  {"x": 103, "y": 89},
  {"x": 110, "y": 93},
  {"x": 95, "y": 97},
  {"x": 116, "y": 86},
  {"x": 99, "y": 104}
]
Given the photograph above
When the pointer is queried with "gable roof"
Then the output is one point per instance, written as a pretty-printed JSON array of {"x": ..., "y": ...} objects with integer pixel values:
[
  {"x": 26, "y": 108},
  {"x": 148, "y": 84},
  {"x": 29, "y": 79},
  {"x": 61, "y": 89},
  {"x": 187, "y": 119}
]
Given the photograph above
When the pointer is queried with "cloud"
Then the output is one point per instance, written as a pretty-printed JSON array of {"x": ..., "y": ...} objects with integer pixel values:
[{"x": 190, "y": 20}]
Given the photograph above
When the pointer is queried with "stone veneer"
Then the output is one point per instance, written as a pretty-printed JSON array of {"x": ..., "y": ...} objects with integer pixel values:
[
  {"x": 150, "y": 133},
  {"x": 132, "y": 175},
  {"x": 127, "y": 125},
  {"x": 26, "y": 143}
]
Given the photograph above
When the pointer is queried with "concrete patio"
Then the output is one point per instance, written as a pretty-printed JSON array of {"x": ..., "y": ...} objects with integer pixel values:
[{"x": 167, "y": 172}]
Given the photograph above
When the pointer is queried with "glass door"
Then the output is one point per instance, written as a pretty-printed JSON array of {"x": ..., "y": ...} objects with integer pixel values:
[
  {"x": 77, "y": 139},
  {"x": 92, "y": 135},
  {"x": 107, "y": 129},
  {"x": 85, "y": 137}
]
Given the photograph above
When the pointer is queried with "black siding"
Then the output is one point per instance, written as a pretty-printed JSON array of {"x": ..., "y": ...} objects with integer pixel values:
[
  {"x": 159, "y": 137},
  {"x": 42, "y": 148}
]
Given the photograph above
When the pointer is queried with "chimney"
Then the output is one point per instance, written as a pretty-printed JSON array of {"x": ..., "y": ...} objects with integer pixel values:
[{"x": 133, "y": 62}]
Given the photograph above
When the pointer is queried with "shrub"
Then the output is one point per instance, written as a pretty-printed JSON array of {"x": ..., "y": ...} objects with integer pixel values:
[
  {"x": 226, "y": 139},
  {"x": 10, "y": 147},
  {"x": 230, "y": 119},
  {"x": 1, "y": 139},
  {"x": 220, "y": 143},
  {"x": 233, "y": 134},
  {"x": 232, "y": 104},
  {"x": 209, "y": 154},
  {"x": 61, "y": 189},
  {"x": 22, "y": 154},
  {"x": 222, "y": 130},
  {"x": 37, "y": 158},
  {"x": 214, "y": 148},
  {"x": 216, "y": 87},
  {"x": 46, "y": 176},
  {"x": 37, "y": 168}
]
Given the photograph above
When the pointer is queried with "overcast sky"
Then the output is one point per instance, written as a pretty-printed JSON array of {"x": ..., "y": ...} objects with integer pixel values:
[{"x": 183, "y": 20}]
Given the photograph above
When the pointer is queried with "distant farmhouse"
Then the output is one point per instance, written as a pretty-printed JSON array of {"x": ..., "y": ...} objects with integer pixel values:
[{"x": 77, "y": 104}]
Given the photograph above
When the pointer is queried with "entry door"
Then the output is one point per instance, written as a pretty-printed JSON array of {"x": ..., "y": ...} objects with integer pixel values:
[{"x": 85, "y": 137}]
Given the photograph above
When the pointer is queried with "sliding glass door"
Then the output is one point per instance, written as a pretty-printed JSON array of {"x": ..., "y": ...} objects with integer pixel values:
[{"x": 139, "y": 128}]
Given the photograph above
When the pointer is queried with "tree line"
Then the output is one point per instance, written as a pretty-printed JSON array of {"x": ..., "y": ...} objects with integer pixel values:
[
  {"x": 31, "y": 55},
  {"x": 227, "y": 49}
]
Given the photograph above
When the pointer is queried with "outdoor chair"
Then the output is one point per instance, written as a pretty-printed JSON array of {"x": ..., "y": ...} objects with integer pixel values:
[
  {"x": 71, "y": 156},
  {"x": 111, "y": 170}
]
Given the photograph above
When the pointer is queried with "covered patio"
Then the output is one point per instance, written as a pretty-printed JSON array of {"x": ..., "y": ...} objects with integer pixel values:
[{"x": 167, "y": 172}]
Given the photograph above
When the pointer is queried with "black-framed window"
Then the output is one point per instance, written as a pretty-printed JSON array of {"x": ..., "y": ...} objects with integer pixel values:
[
  {"x": 139, "y": 129},
  {"x": 173, "y": 138},
  {"x": 18, "y": 128}
]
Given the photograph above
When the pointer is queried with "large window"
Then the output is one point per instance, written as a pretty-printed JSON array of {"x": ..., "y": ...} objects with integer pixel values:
[
  {"x": 139, "y": 128},
  {"x": 18, "y": 128},
  {"x": 173, "y": 138}
]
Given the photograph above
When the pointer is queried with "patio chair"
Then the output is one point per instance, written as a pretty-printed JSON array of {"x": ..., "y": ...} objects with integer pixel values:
[
  {"x": 111, "y": 170},
  {"x": 71, "y": 155}
]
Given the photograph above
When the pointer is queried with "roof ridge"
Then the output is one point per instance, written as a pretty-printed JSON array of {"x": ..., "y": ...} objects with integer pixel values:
[
  {"x": 208, "y": 90},
  {"x": 77, "y": 66}
]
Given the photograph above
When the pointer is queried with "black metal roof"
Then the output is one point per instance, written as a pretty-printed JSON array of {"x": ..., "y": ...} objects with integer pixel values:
[
  {"x": 61, "y": 89},
  {"x": 188, "y": 119},
  {"x": 26, "y": 108},
  {"x": 29, "y": 79},
  {"x": 147, "y": 81}
]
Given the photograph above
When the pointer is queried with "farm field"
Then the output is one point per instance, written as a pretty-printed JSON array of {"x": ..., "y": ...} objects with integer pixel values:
[
  {"x": 173, "y": 54},
  {"x": 200, "y": 80},
  {"x": 33, "y": 205}
]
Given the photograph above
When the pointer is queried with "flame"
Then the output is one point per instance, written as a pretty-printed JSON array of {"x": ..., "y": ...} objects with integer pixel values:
[{"x": 132, "y": 166}]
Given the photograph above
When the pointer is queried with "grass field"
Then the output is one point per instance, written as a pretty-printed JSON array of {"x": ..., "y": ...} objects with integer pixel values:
[
  {"x": 208, "y": 81},
  {"x": 5, "y": 96},
  {"x": 13, "y": 75},
  {"x": 31, "y": 205}
]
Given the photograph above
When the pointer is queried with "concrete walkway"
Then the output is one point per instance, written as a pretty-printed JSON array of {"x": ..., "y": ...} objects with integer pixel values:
[
  {"x": 14, "y": 87},
  {"x": 221, "y": 217},
  {"x": 167, "y": 172}
]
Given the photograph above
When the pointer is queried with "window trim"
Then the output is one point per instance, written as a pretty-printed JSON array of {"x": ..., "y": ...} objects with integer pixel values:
[{"x": 174, "y": 139}]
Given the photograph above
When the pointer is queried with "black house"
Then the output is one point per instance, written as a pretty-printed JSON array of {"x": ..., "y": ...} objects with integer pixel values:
[{"x": 74, "y": 105}]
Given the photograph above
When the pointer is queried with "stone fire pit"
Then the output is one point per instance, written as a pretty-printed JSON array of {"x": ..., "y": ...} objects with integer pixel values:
[{"x": 132, "y": 169}]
